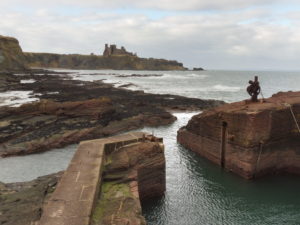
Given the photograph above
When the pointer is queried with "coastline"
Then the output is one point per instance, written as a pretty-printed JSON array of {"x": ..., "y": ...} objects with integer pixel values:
[{"x": 70, "y": 111}]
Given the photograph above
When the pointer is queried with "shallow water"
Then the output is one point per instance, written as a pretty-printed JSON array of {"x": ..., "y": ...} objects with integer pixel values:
[{"x": 29, "y": 167}]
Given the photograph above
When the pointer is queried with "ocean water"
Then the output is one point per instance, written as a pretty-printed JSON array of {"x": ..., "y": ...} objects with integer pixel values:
[
  {"x": 198, "y": 192},
  {"x": 228, "y": 86}
]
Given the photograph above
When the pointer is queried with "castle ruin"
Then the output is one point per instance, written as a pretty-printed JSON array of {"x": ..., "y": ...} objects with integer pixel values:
[{"x": 113, "y": 50}]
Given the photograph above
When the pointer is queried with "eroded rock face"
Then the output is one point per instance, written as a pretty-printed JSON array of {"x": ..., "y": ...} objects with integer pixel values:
[
  {"x": 133, "y": 173},
  {"x": 145, "y": 163},
  {"x": 250, "y": 139},
  {"x": 11, "y": 55}
]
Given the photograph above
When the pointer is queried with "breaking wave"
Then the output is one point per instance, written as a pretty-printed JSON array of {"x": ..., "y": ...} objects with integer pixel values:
[{"x": 220, "y": 87}]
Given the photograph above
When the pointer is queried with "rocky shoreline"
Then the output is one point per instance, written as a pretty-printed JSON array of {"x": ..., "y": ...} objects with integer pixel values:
[
  {"x": 70, "y": 111},
  {"x": 22, "y": 202}
]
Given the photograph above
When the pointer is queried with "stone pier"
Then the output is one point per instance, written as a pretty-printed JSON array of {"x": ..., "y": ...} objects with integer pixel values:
[
  {"x": 250, "y": 139},
  {"x": 74, "y": 199}
]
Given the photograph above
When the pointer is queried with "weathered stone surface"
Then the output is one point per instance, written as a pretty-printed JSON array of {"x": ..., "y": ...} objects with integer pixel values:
[
  {"x": 133, "y": 173},
  {"x": 250, "y": 139},
  {"x": 75, "y": 196},
  {"x": 11, "y": 55},
  {"x": 73, "y": 199},
  {"x": 21, "y": 203}
]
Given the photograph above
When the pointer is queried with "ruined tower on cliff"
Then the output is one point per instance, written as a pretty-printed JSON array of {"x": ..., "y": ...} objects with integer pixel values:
[{"x": 113, "y": 50}]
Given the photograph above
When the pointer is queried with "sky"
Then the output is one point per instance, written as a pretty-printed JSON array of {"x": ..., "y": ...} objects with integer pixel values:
[{"x": 213, "y": 34}]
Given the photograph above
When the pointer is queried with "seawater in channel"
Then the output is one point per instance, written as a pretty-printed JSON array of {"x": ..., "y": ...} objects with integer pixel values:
[
  {"x": 199, "y": 192},
  {"x": 29, "y": 167}
]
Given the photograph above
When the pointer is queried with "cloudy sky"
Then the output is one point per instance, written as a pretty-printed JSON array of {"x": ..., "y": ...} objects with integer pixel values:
[{"x": 214, "y": 34}]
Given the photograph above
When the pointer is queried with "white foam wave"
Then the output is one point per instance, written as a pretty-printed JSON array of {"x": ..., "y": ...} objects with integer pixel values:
[
  {"x": 184, "y": 76},
  {"x": 29, "y": 81},
  {"x": 16, "y": 98},
  {"x": 220, "y": 87}
]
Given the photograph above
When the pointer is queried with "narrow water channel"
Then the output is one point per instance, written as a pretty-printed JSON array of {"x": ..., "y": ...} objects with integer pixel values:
[{"x": 199, "y": 192}]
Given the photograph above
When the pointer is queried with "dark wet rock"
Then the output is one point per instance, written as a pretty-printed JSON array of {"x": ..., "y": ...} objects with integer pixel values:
[
  {"x": 21, "y": 203},
  {"x": 127, "y": 85},
  {"x": 198, "y": 69},
  {"x": 71, "y": 111},
  {"x": 141, "y": 75}
]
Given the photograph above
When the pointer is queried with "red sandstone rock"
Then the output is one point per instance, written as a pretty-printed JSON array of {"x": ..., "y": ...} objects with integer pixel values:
[
  {"x": 145, "y": 166},
  {"x": 250, "y": 139}
]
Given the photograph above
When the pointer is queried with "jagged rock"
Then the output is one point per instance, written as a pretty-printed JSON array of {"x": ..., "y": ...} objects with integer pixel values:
[{"x": 250, "y": 139}]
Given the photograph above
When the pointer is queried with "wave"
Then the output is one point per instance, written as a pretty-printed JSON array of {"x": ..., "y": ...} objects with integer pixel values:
[
  {"x": 184, "y": 76},
  {"x": 220, "y": 87},
  {"x": 16, "y": 98}
]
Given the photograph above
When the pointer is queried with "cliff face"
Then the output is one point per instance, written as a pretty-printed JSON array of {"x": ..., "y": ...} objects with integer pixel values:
[
  {"x": 11, "y": 55},
  {"x": 250, "y": 139},
  {"x": 122, "y": 62},
  {"x": 13, "y": 59}
]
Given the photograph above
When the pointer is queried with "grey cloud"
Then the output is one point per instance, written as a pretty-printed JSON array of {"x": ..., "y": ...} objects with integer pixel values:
[
  {"x": 219, "y": 40},
  {"x": 153, "y": 4}
]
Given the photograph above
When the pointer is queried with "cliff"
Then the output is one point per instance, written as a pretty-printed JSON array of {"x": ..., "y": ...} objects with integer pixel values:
[
  {"x": 249, "y": 139},
  {"x": 12, "y": 58},
  {"x": 11, "y": 55},
  {"x": 117, "y": 62}
]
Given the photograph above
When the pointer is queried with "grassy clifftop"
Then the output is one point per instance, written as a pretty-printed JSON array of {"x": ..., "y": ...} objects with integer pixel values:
[
  {"x": 122, "y": 62},
  {"x": 11, "y": 55}
]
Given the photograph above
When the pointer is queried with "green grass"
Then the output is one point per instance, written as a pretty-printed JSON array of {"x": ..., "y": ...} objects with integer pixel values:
[{"x": 111, "y": 192}]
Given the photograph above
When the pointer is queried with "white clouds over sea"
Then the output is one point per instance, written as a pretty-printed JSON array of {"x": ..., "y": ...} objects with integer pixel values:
[{"x": 229, "y": 34}]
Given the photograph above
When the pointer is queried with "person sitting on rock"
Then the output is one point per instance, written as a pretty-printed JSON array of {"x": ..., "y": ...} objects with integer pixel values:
[{"x": 253, "y": 89}]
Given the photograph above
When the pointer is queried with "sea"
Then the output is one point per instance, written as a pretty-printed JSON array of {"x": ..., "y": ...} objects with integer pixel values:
[{"x": 197, "y": 191}]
